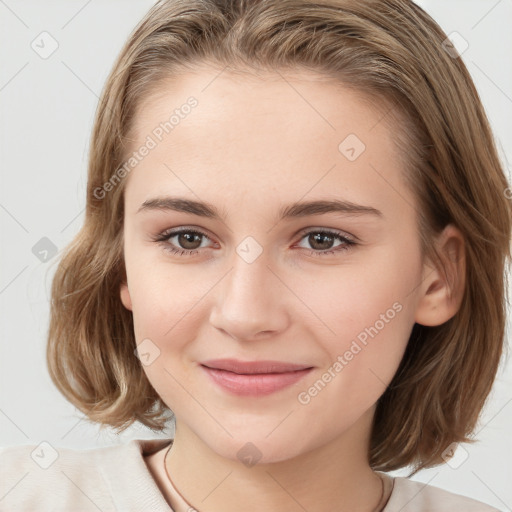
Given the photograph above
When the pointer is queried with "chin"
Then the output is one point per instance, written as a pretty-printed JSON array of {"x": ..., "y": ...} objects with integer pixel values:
[{"x": 257, "y": 448}]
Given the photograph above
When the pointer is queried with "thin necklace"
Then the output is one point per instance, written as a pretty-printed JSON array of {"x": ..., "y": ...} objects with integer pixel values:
[{"x": 379, "y": 508}]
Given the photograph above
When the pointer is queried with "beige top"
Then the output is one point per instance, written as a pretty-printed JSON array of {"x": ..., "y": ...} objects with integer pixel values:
[{"x": 117, "y": 478}]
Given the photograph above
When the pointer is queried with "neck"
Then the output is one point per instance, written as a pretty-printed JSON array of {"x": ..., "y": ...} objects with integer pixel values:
[{"x": 334, "y": 476}]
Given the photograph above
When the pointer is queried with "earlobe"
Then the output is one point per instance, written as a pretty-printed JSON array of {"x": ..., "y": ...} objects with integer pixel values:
[
  {"x": 125, "y": 296},
  {"x": 442, "y": 292}
]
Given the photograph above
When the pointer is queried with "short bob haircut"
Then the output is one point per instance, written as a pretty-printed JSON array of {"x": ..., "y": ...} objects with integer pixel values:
[{"x": 393, "y": 53}]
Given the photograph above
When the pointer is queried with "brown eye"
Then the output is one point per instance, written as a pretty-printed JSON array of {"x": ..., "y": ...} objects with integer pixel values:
[
  {"x": 320, "y": 241},
  {"x": 184, "y": 242},
  {"x": 189, "y": 240}
]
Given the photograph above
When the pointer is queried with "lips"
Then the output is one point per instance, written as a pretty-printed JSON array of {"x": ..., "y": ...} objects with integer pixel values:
[
  {"x": 253, "y": 378},
  {"x": 253, "y": 367}
]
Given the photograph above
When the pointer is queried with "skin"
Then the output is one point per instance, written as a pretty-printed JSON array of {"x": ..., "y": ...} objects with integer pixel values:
[{"x": 251, "y": 146}]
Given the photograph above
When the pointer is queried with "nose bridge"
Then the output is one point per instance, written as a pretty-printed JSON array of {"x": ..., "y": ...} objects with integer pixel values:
[{"x": 249, "y": 299}]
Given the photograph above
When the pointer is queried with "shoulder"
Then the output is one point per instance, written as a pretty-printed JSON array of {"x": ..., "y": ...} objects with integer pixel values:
[
  {"x": 42, "y": 477},
  {"x": 411, "y": 496},
  {"x": 46, "y": 477}
]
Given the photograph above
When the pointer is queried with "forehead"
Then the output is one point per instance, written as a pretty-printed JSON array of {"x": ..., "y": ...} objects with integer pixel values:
[
  {"x": 277, "y": 132},
  {"x": 241, "y": 97}
]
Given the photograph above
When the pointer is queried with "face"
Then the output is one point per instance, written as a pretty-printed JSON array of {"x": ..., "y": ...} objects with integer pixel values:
[{"x": 334, "y": 290}]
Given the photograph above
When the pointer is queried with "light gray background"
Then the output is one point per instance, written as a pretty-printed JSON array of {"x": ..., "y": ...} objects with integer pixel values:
[{"x": 47, "y": 108}]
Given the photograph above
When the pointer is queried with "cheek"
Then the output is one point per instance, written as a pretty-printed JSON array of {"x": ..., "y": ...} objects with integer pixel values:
[
  {"x": 165, "y": 321},
  {"x": 168, "y": 311},
  {"x": 367, "y": 314},
  {"x": 351, "y": 297},
  {"x": 361, "y": 359},
  {"x": 165, "y": 297}
]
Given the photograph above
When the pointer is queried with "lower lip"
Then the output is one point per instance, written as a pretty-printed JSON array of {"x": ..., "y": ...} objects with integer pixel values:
[{"x": 255, "y": 384}]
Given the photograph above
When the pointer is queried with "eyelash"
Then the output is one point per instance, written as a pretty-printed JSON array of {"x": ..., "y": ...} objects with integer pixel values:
[{"x": 163, "y": 239}]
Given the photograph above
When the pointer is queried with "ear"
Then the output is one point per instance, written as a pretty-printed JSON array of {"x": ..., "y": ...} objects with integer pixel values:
[
  {"x": 125, "y": 296},
  {"x": 441, "y": 292}
]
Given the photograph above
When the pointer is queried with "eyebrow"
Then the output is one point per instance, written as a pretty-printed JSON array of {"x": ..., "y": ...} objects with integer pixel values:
[{"x": 298, "y": 209}]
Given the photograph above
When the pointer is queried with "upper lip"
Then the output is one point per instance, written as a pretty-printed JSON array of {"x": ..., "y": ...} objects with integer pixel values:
[{"x": 250, "y": 367}]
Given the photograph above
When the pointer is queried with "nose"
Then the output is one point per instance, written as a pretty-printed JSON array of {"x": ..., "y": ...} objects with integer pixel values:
[{"x": 250, "y": 302}]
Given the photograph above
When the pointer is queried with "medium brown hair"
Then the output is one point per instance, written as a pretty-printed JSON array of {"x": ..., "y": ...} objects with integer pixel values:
[{"x": 389, "y": 49}]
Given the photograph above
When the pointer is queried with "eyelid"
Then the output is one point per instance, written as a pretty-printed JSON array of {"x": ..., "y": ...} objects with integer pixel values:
[
  {"x": 182, "y": 229},
  {"x": 333, "y": 231}
]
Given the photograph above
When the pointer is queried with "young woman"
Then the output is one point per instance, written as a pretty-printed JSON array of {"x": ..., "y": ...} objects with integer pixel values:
[{"x": 295, "y": 243}]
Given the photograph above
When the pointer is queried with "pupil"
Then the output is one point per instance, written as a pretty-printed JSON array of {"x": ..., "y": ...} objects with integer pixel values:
[
  {"x": 188, "y": 238},
  {"x": 319, "y": 238}
]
